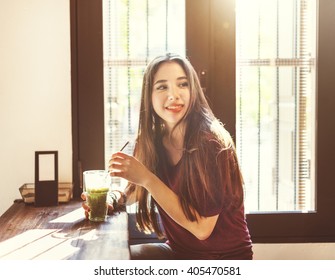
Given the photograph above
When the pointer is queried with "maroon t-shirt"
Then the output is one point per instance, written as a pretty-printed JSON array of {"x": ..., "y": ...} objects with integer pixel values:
[{"x": 230, "y": 238}]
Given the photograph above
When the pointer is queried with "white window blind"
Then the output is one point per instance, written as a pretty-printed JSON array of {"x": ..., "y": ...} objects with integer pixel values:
[
  {"x": 135, "y": 31},
  {"x": 275, "y": 81}
]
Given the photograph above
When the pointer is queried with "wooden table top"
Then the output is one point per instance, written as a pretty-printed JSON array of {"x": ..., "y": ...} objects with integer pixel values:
[{"x": 61, "y": 232}]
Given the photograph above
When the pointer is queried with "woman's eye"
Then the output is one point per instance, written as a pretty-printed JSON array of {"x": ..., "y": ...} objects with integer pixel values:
[
  {"x": 183, "y": 85},
  {"x": 161, "y": 87}
]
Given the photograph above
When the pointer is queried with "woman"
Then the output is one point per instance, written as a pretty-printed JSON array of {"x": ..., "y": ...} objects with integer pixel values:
[{"x": 185, "y": 166}]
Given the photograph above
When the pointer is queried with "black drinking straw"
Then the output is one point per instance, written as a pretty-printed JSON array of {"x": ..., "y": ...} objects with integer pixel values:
[{"x": 125, "y": 145}]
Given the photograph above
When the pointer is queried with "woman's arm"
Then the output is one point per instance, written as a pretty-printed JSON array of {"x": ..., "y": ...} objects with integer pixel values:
[
  {"x": 129, "y": 168},
  {"x": 169, "y": 201}
]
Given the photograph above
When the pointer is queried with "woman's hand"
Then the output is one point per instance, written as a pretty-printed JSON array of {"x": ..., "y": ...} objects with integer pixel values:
[{"x": 129, "y": 168}]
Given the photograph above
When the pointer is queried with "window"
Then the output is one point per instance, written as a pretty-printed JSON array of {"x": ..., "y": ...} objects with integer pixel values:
[
  {"x": 210, "y": 45},
  {"x": 276, "y": 53},
  {"x": 134, "y": 33}
]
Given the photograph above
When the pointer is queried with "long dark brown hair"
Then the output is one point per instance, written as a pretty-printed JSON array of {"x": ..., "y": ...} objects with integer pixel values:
[{"x": 215, "y": 171}]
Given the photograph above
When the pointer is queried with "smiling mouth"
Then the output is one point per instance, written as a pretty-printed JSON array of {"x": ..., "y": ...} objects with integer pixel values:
[{"x": 175, "y": 108}]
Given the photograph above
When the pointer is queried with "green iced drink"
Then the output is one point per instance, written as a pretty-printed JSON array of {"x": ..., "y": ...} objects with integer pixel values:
[
  {"x": 97, "y": 201},
  {"x": 96, "y": 188}
]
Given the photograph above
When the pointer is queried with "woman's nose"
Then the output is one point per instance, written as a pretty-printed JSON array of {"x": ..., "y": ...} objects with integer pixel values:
[{"x": 173, "y": 94}]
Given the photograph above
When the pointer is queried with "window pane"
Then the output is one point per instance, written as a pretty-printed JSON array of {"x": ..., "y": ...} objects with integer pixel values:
[
  {"x": 275, "y": 102},
  {"x": 135, "y": 31}
]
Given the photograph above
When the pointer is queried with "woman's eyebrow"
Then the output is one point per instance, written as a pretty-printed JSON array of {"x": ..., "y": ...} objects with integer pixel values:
[
  {"x": 182, "y": 78},
  {"x": 160, "y": 81},
  {"x": 164, "y": 81}
]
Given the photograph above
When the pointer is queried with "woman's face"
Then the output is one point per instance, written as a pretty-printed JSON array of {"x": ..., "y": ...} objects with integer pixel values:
[{"x": 170, "y": 93}]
